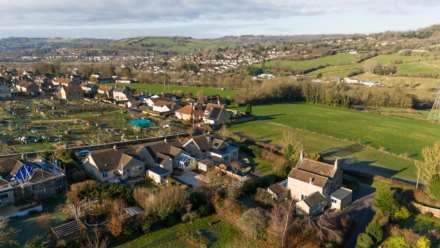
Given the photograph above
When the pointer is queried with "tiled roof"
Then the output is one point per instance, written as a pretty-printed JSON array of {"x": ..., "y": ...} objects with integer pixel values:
[
  {"x": 316, "y": 167},
  {"x": 308, "y": 177},
  {"x": 111, "y": 159},
  {"x": 314, "y": 199}
]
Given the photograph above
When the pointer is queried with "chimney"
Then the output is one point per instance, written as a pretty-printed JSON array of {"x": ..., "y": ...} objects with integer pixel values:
[
  {"x": 301, "y": 155},
  {"x": 165, "y": 140},
  {"x": 336, "y": 164},
  {"x": 114, "y": 147},
  {"x": 311, "y": 179}
]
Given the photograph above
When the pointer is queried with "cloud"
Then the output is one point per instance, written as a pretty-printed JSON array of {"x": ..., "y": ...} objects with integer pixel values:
[{"x": 71, "y": 13}]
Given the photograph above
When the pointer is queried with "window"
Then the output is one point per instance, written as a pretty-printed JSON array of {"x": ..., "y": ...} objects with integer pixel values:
[
  {"x": 303, "y": 196},
  {"x": 104, "y": 174}
]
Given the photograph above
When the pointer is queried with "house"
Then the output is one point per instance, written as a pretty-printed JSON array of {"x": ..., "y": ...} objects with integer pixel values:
[
  {"x": 28, "y": 88},
  {"x": 210, "y": 147},
  {"x": 164, "y": 151},
  {"x": 341, "y": 198},
  {"x": 205, "y": 165},
  {"x": 89, "y": 89},
  {"x": 188, "y": 113},
  {"x": 216, "y": 115},
  {"x": 163, "y": 106},
  {"x": 70, "y": 92},
  {"x": 120, "y": 95},
  {"x": 158, "y": 174},
  {"x": 23, "y": 181},
  {"x": 5, "y": 91},
  {"x": 314, "y": 204},
  {"x": 311, "y": 177},
  {"x": 112, "y": 165}
]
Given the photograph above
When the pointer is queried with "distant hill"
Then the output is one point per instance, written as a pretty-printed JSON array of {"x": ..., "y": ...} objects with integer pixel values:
[{"x": 14, "y": 44}]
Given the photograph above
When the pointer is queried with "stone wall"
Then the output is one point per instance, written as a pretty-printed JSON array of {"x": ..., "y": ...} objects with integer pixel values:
[{"x": 427, "y": 210}]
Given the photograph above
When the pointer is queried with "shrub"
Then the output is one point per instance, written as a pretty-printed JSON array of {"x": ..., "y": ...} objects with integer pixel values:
[
  {"x": 423, "y": 242},
  {"x": 374, "y": 229},
  {"x": 396, "y": 242},
  {"x": 385, "y": 202},
  {"x": 402, "y": 214},
  {"x": 190, "y": 217},
  {"x": 364, "y": 241},
  {"x": 254, "y": 222},
  {"x": 264, "y": 197}
]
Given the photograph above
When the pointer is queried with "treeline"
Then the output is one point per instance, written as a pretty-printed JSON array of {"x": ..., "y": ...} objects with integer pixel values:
[{"x": 330, "y": 94}]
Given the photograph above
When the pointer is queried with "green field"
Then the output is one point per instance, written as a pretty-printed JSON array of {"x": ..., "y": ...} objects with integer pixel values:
[
  {"x": 368, "y": 139},
  {"x": 223, "y": 235},
  {"x": 337, "y": 70},
  {"x": 174, "y": 44},
  {"x": 160, "y": 88},
  {"x": 300, "y": 65}
]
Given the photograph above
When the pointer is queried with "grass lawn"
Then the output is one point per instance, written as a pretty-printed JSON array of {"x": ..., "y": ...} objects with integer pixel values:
[
  {"x": 159, "y": 88},
  {"x": 370, "y": 140},
  {"x": 38, "y": 224},
  {"x": 223, "y": 234}
]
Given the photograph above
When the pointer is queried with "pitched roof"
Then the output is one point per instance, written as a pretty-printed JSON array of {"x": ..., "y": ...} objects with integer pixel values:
[
  {"x": 111, "y": 159},
  {"x": 316, "y": 167},
  {"x": 308, "y": 177},
  {"x": 278, "y": 189},
  {"x": 158, "y": 170},
  {"x": 164, "y": 148},
  {"x": 10, "y": 166},
  {"x": 314, "y": 199},
  {"x": 189, "y": 110}
]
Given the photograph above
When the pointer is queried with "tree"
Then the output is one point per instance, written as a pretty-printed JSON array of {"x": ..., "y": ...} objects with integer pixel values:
[
  {"x": 385, "y": 202},
  {"x": 248, "y": 109},
  {"x": 6, "y": 233},
  {"x": 374, "y": 229},
  {"x": 116, "y": 223},
  {"x": 428, "y": 169},
  {"x": 254, "y": 222},
  {"x": 364, "y": 241},
  {"x": 74, "y": 200}
]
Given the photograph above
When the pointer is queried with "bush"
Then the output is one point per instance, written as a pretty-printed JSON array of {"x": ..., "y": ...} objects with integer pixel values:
[
  {"x": 374, "y": 229},
  {"x": 396, "y": 242},
  {"x": 385, "y": 202},
  {"x": 254, "y": 222},
  {"x": 423, "y": 242},
  {"x": 402, "y": 214},
  {"x": 190, "y": 217},
  {"x": 364, "y": 241}
]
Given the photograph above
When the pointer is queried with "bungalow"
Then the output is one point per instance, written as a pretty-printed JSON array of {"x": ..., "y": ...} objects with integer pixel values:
[
  {"x": 188, "y": 113},
  {"x": 70, "y": 92},
  {"x": 210, "y": 147},
  {"x": 111, "y": 165},
  {"x": 28, "y": 88},
  {"x": 163, "y": 106},
  {"x": 216, "y": 115},
  {"x": 165, "y": 151},
  {"x": 120, "y": 95}
]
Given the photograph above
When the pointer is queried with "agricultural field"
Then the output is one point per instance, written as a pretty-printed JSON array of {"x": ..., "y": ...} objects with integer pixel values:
[
  {"x": 160, "y": 88},
  {"x": 221, "y": 234},
  {"x": 305, "y": 65},
  {"x": 367, "y": 140}
]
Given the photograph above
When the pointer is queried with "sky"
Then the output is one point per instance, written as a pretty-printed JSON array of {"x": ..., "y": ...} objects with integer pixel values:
[{"x": 210, "y": 18}]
